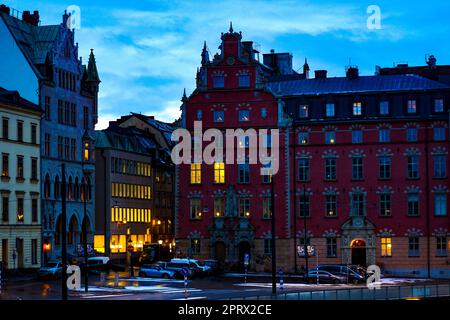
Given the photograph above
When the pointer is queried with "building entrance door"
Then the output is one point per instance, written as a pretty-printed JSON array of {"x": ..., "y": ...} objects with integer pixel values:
[
  {"x": 219, "y": 252},
  {"x": 19, "y": 245},
  {"x": 358, "y": 252},
  {"x": 5, "y": 253}
]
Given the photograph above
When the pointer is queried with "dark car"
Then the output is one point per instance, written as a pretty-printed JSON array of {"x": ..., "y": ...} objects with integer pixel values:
[
  {"x": 178, "y": 267},
  {"x": 324, "y": 277},
  {"x": 214, "y": 265},
  {"x": 156, "y": 271},
  {"x": 352, "y": 274}
]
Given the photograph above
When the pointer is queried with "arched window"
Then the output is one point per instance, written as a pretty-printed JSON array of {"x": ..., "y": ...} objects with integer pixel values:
[
  {"x": 70, "y": 189},
  {"x": 85, "y": 221},
  {"x": 71, "y": 235},
  {"x": 47, "y": 187},
  {"x": 89, "y": 189},
  {"x": 77, "y": 189},
  {"x": 57, "y": 188},
  {"x": 83, "y": 190}
]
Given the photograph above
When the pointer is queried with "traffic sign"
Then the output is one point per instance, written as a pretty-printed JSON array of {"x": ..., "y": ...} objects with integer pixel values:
[
  {"x": 185, "y": 271},
  {"x": 246, "y": 259}
]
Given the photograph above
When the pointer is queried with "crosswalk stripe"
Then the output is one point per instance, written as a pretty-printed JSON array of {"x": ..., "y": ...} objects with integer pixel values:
[{"x": 107, "y": 296}]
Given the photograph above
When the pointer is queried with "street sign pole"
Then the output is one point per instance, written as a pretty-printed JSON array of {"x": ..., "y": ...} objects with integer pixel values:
[
  {"x": 281, "y": 279},
  {"x": 246, "y": 262},
  {"x": 185, "y": 287}
]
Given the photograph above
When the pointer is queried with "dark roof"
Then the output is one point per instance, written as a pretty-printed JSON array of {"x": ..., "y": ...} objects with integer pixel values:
[
  {"x": 361, "y": 84},
  {"x": 13, "y": 98},
  {"x": 34, "y": 41},
  {"x": 125, "y": 139}
]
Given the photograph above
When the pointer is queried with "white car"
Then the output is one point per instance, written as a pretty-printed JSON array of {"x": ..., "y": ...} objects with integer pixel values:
[{"x": 194, "y": 264}]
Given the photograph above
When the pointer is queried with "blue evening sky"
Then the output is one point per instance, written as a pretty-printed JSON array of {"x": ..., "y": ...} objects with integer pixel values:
[{"x": 148, "y": 51}]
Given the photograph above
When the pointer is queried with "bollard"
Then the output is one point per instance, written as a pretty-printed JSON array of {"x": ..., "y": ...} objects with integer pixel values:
[
  {"x": 185, "y": 287},
  {"x": 116, "y": 279}
]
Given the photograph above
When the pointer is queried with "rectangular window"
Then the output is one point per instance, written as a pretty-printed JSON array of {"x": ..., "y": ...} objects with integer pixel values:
[
  {"x": 60, "y": 111},
  {"x": 386, "y": 247},
  {"x": 439, "y": 134},
  {"x": 331, "y": 205},
  {"x": 440, "y": 166},
  {"x": 267, "y": 174},
  {"x": 195, "y": 246},
  {"x": 412, "y": 106},
  {"x": 413, "y": 167},
  {"x": 330, "y": 109},
  {"x": 20, "y": 168},
  {"x": 440, "y": 204},
  {"x": 5, "y": 128},
  {"x": 34, "y": 168},
  {"x": 358, "y": 204},
  {"x": 196, "y": 173},
  {"x": 384, "y": 108},
  {"x": 267, "y": 207},
  {"x": 413, "y": 204},
  {"x": 5, "y": 208},
  {"x": 303, "y": 138},
  {"x": 303, "y": 111},
  {"x": 304, "y": 206},
  {"x": 60, "y": 147},
  {"x": 19, "y": 130},
  {"x": 267, "y": 246},
  {"x": 5, "y": 164},
  {"x": 219, "y": 116},
  {"x": 331, "y": 247},
  {"x": 34, "y": 210},
  {"x": 73, "y": 150},
  {"x": 219, "y": 206},
  {"x": 67, "y": 148},
  {"x": 384, "y": 135},
  {"x": 384, "y": 167},
  {"x": 219, "y": 172},
  {"x": 47, "y": 144},
  {"x": 33, "y": 133},
  {"x": 195, "y": 208},
  {"x": 218, "y": 81},
  {"x": 66, "y": 112},
  {"x": 47, "y": 108},
  {"x": 303, "y": 169},
  {"x": 330, "y": 169},
  {"x": 357, "y": 168},
  {"x": 411, "y": 134},
  {"x": 357, "y": 108},
  {"x": 330, "y": 137},
  {"x": 438, "y": 105},
  {"x": 244, "y": 172},
  {"x": 244, "y": 115},
  {"x": 20, "y": 217},
  {"x": 385, "y": 204},
  {"x": 244, "y": 80},
  {"x": 441, "y": 246},
  {"x": 357, "y": 136},
  {"x": 34, "y": 251},
  {"x": 413, "y": 247},
  {"x": 244, "y": 207}
]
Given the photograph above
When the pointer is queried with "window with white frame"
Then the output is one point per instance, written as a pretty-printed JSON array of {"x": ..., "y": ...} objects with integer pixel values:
[
  {"x": 412, "y": 106},
  {"x": 303, "y": 111},
  {"x": 440, "y": 204},
  {"x": 411, "y": 134}
]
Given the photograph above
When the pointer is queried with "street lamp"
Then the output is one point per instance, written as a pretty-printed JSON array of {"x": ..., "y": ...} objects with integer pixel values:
[{"x": 86, "y": 143}]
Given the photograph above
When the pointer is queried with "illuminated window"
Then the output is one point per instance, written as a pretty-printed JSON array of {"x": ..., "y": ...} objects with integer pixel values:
[
  {"x": 357, "y": 108},
  {"x": 86, "y": 151},
  {"x": 219, "y": 172},
  {"x": 195, "y": 246},
  {"x": 386, "y": 247},
  {"x": 412, "y": 106},
  {"x": 118, "y": 243},
  {"x": 219, "y": 207},
  {"x": 20, "y": 217},
  {"x": 196, "y": 173},
  {"x": 303, "y": 137},
  {"x": 195, "y": 208},
  {"x": 99, "y": 243},
  {"x": 330, "y": 137},
  {"x": 244, "y": 207}
]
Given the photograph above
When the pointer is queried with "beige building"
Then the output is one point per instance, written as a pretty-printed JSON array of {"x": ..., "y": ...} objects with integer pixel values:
[{"x": 20, "y": 218}]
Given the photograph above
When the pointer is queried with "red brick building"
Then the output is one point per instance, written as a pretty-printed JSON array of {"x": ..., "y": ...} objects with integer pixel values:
[{"x": 363, "y": 164}]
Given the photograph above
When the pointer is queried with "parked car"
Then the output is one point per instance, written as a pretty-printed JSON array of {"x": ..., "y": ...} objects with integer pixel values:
[
  {"x": 52, "y": 269},
  {"x": 156, "y": 271},
  {"x": 177, "y": 267},
  {"x": 100, "y": 264},
  {"x": 199, "y": 268},
  {"x": 324, "y": 277},
  {"x": 352, "y": 274}
]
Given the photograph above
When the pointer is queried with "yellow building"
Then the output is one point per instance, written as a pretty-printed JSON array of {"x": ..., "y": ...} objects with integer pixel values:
[{"x": 20, "y": 218}]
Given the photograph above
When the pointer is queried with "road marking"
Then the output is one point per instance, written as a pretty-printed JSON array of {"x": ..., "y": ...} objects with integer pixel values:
[
  {"x": 106, "y": 296},
  {"x": 192, "y": 298}
]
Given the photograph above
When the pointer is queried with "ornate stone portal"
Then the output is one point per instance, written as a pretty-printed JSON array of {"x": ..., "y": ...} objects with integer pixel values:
[
  {"x": 231, "y": 230},
  {"x": 358, "y": 228}
]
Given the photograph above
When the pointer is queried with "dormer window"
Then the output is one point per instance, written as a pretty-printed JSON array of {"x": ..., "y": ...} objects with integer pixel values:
[
  {"x": 357, "y": 108},
  {"x": 219, "y": 116},
  {"x": 412, "y": 106},
  {"x": 218, "y": 81},
  {"x": 244, "y": 80},
  {"x": 438, "y": 105},
  {"x": 244, "y": 115}
]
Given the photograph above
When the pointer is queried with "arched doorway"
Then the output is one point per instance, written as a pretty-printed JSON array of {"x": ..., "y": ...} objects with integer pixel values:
[
  {"x": 73, "y": 228},
  {"x": 88, "y": 230},
  {"x": 244, "y": 247},
  {"x": 220, "y": 252},
  {"x": 358, "y": 252}
]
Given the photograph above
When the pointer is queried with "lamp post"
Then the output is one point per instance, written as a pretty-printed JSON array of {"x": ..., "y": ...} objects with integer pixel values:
[
  {"x": 305, "y": 235},
  {"x": 86, "y": 140}
]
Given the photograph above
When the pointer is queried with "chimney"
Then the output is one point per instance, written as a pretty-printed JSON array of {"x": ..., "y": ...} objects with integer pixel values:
[
  {"x": 32, "y": 19},
  {"x": 352, "y": 72},
  {"x": 5, "y": 9},
  {"x": 320, "y": 74}
]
